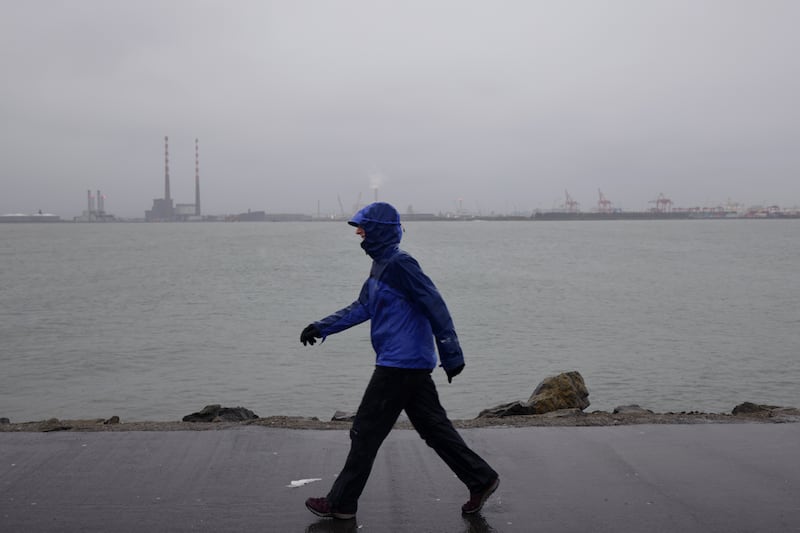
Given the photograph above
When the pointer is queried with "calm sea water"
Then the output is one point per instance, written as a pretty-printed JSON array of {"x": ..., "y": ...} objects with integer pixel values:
[{"x": 155, "y": 321}]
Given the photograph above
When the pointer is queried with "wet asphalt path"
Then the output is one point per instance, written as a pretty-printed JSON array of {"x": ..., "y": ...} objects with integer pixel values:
[{"x": 673, "y": 478}]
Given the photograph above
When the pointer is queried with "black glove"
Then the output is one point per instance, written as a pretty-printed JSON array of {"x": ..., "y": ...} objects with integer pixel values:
[
  {"x": 310, "y": 335},
  {"x": 453, "y": 372}
]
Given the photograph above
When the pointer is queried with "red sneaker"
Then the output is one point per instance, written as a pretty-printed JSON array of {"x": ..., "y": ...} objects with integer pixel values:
[
  {"x": 477, "y": 499},
  {"x": 322, "y": 507}
]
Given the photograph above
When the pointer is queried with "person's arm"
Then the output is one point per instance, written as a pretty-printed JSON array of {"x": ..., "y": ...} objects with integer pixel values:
[
  {"x": 420, "y": 290},
  {"x": 347, "y": 317}
]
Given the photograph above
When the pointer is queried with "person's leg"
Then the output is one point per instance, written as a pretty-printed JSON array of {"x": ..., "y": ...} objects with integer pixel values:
[
  {"x": 430, "y": 420},
  {"x": 380, "y": 406}
]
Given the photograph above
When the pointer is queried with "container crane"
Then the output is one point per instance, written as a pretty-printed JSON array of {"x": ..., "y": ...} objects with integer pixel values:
[
  {"x": 603, "y": 203},
  {"x": 570, "y": 204},
  {"x": 663, "y": 204}
]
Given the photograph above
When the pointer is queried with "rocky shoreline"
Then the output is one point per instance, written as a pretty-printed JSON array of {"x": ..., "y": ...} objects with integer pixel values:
[{"x": 560, "y": 418}]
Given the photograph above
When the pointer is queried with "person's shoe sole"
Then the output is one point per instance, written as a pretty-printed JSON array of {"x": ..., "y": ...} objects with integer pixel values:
[
  {"x": 338, "y": 516},
  {"x": 486, "y": 494}
]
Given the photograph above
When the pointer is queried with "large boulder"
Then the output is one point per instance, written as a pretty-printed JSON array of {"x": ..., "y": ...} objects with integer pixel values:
[
  {"x": 508, "y": 409},
  {"x": 564, "y": 391},
  {"x": 217, "y": 413},
  {"x": 633, "y": 409},
  {"x": 750, "y": 408},
  {"x": 771, "y": 412},
  {"x": 343, "y": 416}
]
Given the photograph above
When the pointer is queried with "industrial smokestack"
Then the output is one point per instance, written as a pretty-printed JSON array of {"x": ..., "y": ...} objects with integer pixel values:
[
  {"x": 89, "y": 201},
  {"x": 166, "y": 168},
  {"x": 100, "y": 206},
  {"x": 196, "y": 178}
]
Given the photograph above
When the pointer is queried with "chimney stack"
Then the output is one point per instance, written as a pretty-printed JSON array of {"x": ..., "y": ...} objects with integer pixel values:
[
  {"x": 166, "y": 168},
  {"x": 196, "y": 178}
]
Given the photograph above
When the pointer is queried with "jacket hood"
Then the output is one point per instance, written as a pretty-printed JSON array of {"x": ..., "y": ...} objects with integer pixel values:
[{"x": 381, "y": 223}]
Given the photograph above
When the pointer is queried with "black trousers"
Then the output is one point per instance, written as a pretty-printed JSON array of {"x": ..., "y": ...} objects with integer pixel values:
[{"x": 390, "y": 391}]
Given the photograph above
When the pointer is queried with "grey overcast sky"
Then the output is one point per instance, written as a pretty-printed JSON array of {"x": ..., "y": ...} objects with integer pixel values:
[{"x": 497, "y": 106}]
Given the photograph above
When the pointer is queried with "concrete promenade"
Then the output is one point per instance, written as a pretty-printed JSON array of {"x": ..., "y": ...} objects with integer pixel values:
[{"x": 640, "y": 478}]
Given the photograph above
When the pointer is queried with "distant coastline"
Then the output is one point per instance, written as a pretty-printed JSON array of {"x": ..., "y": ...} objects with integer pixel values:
[{"x": 553, "y": 216}]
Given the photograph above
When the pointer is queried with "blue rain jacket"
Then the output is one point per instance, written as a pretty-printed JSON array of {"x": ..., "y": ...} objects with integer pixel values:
[{"x": 406, "y": 312}]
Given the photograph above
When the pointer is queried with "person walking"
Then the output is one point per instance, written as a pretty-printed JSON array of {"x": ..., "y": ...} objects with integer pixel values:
[{"x": 409, "y": 321}]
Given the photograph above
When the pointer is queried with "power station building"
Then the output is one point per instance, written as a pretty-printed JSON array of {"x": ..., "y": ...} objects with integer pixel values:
[
  {"x": 95, "y": 213},
  {"x": 163, "y": 209}
]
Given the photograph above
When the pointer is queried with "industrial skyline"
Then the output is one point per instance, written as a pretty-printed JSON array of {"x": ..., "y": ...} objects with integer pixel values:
[
  {"x": 165, "y": 210},
  {"x": 445, "y": 106}
]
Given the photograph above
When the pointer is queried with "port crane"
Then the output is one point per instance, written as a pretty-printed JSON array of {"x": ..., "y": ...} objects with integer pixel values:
[
  {"x": 354, "y": 209},
  {"x": 603, "y": 203},
  {"x": 341, "y": 206},
  {"x": 663, "y": 204},
  {"x": 570, "y": 204}
]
